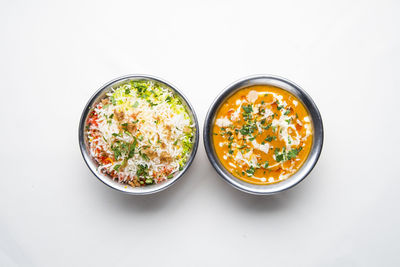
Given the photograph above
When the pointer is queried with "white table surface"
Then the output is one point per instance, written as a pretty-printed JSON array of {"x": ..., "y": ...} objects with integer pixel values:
[{"x": 53, "y": 56}]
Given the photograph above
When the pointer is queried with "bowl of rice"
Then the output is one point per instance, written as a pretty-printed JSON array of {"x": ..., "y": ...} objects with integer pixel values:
[{"x": 138, "y": 134}]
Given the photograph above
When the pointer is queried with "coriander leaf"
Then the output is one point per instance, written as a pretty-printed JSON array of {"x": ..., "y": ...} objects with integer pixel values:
[
  {"x": 248, "y": 108},
  {"x": 250, "y": 171},
  {"x": 116, "y": 167}
]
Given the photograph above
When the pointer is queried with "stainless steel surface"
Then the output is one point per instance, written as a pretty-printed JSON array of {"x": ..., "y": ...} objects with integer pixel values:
[
  {"x": 92, "y": 164},
  {"x": 316, "y": 148}
]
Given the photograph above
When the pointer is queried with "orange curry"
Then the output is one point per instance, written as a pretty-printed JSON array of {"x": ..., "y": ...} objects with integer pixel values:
[{"x": 262, "y": 134}]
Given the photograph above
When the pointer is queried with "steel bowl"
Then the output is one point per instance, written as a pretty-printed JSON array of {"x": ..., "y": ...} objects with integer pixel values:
[
  {"x": 316, "y": 121},
  {"x": 93, "y": 165}
]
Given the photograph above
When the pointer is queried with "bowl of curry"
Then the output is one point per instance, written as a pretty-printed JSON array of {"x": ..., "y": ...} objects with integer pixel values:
[{"x": 263, "y": 134}]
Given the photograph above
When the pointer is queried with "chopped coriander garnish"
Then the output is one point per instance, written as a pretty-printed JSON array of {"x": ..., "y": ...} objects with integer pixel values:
[
  {"x": 248, "y": 108},
  {"x": 113, "y": 100},
  {"x": 270, "y": 138},
  {"x": 116, "y": 167},
  {"x": 279, "y": 157},
  {"x": 250, "y": 171},
  {"x": 293, "y": 153},
  {"x": 144, "y": 156}
]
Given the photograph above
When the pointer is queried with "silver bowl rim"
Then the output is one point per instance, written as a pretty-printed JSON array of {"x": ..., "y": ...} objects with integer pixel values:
[
  {"x": 312, "y": 158},
  {"x": 105, "y": 179}
]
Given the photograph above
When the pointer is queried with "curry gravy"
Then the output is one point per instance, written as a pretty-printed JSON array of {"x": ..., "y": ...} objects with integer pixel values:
[{"x": 262, "y": 134}]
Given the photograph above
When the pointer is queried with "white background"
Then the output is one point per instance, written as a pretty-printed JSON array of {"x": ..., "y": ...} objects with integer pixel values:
[{"x": 53, "y": 56}]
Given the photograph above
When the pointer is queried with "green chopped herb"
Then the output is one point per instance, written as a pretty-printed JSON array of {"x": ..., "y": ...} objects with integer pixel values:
[
  {"x": 144, "y": 156},
  {"x": 116, "y": 167},
  {"x": 136, "y": 104},
  {"x": 267, "y": 127},
  {"x": 270, "y": 138},
  {"x": 248, "y": 108},
  {"x": 279, "y": 157},
  {"x": 293, "y": 153},
  {"x": 250, "y": 171},
  {"x": 151, "y": 103},
  {"x": 113, "y": 100},
  {"x": 132, "y": 148},
  {"x": 142, "y": 170}
]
